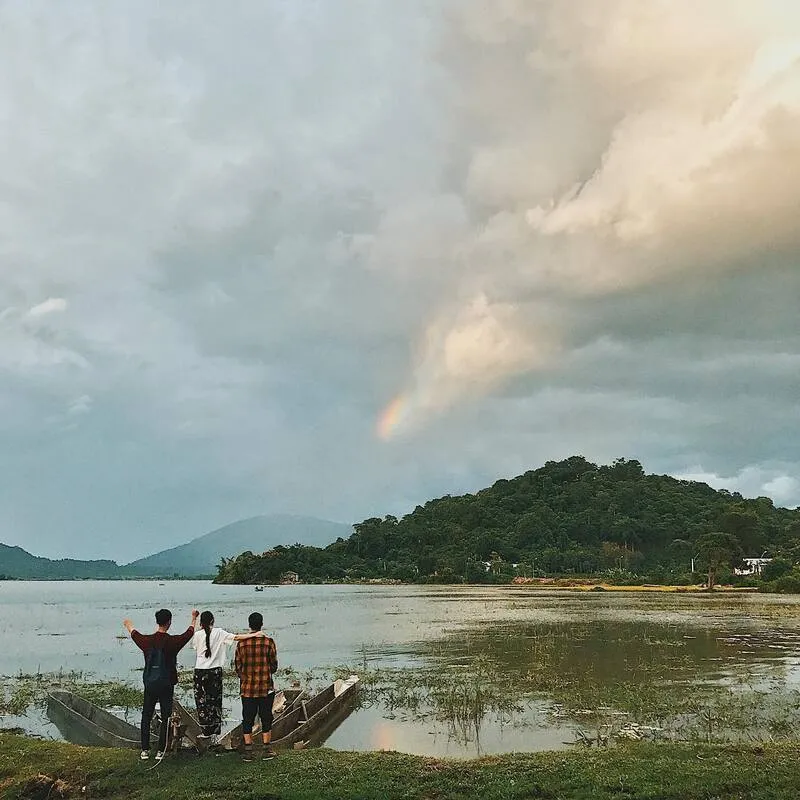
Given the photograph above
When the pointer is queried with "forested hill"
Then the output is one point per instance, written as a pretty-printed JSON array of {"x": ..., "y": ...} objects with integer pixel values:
[
  {"x": 568, "y": 517},
  {"x": 18, "y": 563}
]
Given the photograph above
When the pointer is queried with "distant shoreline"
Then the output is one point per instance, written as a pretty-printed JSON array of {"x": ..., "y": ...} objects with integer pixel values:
[
  {"x": 114, "y": 579},
  {"x": 577, "y": 585}
]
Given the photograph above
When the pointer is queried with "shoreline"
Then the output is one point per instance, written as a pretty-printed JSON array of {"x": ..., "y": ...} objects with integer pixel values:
[
  {"x": 37, "y": 768},
  {"x": 566, "y": 584},
  {"x": 591, "y": 586}
]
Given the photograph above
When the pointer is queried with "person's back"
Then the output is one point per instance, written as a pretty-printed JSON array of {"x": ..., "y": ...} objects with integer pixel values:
[
  {"x": 215, "y": 643},
  {"x": 256, "y": 661},
  {"x": 160, "y": 656},
  {"x": 160, "y": 673},
  {"x": 211, "y": 645}
]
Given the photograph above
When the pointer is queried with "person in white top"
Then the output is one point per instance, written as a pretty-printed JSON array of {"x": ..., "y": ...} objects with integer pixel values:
[{"x": 212, "y": 645}]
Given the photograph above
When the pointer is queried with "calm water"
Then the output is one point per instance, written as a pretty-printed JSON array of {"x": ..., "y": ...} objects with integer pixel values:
[{"x": 563, "y": 644}]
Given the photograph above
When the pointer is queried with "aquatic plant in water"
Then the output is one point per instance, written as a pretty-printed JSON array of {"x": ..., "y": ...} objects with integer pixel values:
[{"x": 24, "y": 691}]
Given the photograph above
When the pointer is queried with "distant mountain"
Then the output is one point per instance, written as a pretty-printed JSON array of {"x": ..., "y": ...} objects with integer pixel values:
[
  {"x": 202, "y": 555},
  {"x": 18, "y": 563}
]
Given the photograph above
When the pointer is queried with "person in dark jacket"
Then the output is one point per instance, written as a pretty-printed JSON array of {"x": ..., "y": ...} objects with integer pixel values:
[{"x": 160, "y": 673}]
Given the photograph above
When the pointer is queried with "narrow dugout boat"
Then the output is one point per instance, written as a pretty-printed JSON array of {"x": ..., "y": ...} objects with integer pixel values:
[
  {"x": 82, "y": 722},
  {"x": 305, "y": 721},
  {"x": 300, "y": 720}
]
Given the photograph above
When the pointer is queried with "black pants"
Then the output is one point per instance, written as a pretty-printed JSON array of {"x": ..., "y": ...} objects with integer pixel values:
[
  {"x": 208, "y": 699},
  {"x": 257, "y": 705},
  {"x": 162, "y": 695}
]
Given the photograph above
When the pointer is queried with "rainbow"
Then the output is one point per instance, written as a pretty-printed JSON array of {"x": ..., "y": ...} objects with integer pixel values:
[{"x": 393, "y": 416}]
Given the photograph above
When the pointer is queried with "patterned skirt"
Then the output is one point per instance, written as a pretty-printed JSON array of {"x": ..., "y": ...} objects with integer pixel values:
[{"x": 208, "y": 698}]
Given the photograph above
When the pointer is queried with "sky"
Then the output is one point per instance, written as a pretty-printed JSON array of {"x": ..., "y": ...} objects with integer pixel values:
[{"x": 341, "y": 258}]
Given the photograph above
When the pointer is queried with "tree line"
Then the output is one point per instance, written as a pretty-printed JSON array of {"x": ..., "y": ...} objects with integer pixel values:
[{"x": 567, "y": 518}]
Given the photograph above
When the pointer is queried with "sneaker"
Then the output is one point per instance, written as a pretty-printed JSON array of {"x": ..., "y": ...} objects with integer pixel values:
[
  {"x": 160, "y": 755},
  {"x": 268, "y": 754},
  {"x": 247, "y": 754},
  {"x": 144, "y": 755}
]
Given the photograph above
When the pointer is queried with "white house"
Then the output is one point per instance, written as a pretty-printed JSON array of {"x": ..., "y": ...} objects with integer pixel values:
[{"x": 752, "y": 566}]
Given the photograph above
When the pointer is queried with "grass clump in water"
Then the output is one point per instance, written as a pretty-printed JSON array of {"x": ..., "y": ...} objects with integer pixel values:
[
  {"x": 23, "y": 692},
  {"x": 607, "y": 680}
]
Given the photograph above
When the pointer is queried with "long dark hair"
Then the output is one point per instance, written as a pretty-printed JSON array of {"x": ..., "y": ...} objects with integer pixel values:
[{"x": 206, "y": 623}]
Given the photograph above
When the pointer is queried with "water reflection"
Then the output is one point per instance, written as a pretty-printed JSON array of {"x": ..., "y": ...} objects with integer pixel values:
[{"x": 592, "y": 672}]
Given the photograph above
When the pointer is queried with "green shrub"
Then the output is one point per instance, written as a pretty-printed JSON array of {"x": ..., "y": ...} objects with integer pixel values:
[
  {"x": 776, "y": 568},
  {"x": 786, "y": 584}
]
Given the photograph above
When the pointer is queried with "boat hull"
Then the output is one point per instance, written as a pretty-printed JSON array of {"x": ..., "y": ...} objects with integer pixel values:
[
  {"x": 303, "y": 721},
  {"x": 307, "y": 722},
  {"x": 82, "y": 722}
]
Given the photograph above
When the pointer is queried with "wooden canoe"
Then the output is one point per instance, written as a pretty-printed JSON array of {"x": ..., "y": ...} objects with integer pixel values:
[
  {"x": 300, "y": 720},
  {"x": 186, "y": 727},
  {"x": 306, "y": 721},
  {"x": 82, "y": 722}
]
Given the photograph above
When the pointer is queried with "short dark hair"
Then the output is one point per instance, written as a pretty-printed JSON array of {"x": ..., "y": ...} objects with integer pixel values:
[
  {"x": 163, "y": 616},
  {"x": 255, "y": 621}
]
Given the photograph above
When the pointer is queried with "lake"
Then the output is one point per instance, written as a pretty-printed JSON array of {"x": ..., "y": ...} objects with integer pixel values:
[{"x": 456, "y": 671}]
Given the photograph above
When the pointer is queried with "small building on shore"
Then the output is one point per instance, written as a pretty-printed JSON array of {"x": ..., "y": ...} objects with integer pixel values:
[{"x": 751, "y": 566}]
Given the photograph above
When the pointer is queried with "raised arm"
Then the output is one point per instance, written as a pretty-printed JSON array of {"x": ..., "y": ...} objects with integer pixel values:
[
  {"x": 138, "y": 639},
  {"x": 182, "y": 639}
]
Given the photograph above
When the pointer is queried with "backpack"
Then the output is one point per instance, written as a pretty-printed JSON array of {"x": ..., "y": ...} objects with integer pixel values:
[{"x": 156, "y": 669}]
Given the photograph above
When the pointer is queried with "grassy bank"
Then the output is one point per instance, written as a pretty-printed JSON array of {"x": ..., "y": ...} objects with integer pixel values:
[{"x": 37, "y": 769}]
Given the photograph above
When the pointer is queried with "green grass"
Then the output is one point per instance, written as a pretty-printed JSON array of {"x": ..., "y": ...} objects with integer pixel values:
[{"x": 32, "y": 768}]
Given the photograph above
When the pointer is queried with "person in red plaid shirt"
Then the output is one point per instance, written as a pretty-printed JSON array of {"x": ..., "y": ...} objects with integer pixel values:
[{"x": 256, "y": 662}]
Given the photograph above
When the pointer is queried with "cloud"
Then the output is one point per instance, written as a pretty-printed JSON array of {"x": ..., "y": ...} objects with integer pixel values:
[
  {"x": 628, "y": 148},
  {"x": 752, "y": 482},
  {"x": 375, "y": 252},
  {"x": 81, "y": 405},
  {"x": 467, "y": 355},
  {"x": 50, "y": 306}
]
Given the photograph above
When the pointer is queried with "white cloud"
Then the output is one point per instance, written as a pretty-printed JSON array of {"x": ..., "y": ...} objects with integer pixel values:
[
  {"x": 81, "y": 405},
  {"x": 50, "y": 306},
  {"x": 752, "y": 481},
  {"x": 615, "y": 149}
]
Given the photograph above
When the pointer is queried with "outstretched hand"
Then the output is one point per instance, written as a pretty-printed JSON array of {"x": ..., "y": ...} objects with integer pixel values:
[
  {"x": 128, "y": 625},
  {"x": 195, "y": 613}
]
